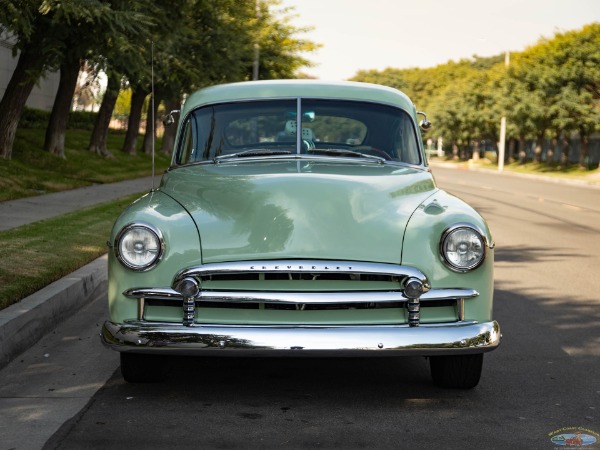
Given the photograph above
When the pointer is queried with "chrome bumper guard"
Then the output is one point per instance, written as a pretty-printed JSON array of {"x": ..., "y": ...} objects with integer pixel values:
[{"x": 377, "y": 340}]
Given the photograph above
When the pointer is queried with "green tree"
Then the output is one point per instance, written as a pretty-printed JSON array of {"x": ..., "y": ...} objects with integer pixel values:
[
  {"x": 281, "y": 44},
  {"x": 45, "y": 33},
  {"x": 519, "y": 103},
  {"x": 216, "y": 44},
  {"x": 29, "y": 26},
  {"x": 459, "y": 97},
  {"x": 552, "y": 89},
  {"x": 118, "y": 54},
  {"x": 576, "y": 102}
]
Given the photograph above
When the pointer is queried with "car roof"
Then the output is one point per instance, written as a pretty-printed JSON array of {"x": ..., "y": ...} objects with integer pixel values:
[{"x": 273, "y": 89}]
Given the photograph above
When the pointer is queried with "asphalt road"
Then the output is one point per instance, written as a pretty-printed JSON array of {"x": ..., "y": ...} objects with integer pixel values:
[{"x": 544, "y": 377}]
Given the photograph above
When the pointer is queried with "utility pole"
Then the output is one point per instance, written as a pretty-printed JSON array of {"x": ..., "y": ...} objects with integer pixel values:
[
  {"x": 256, "y": 44},
  {"x": 502, "y": 143}
]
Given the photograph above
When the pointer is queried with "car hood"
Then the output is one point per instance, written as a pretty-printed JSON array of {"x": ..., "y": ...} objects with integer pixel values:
[{"x": 299, "y": 209}]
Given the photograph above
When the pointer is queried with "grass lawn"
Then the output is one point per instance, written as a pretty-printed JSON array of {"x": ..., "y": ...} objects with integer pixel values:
[
  {"x": 35, "y": 255},
  {"x": 32, "y": 171},
  {"x": 572, "y": 172}
]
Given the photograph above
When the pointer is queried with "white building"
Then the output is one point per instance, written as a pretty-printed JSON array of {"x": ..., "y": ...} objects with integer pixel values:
[{"x": 42, "y": 95}]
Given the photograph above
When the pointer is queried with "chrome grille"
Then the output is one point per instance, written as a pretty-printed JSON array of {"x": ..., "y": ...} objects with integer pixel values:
[{"x": 299, "y": 285}]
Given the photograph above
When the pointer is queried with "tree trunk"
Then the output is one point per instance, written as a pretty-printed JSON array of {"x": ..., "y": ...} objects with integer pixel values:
[
  {"x": 584, "y": 148},
  {"x": 511, "y": 150},
  {"x": 170, "y": 131},
  {"x": 100, "y": 133},
  {"x": 566, "y": 148},
  {"x": 14, "y": 99},
  {"x": 454, "y": 150},
  {"x": 466, "y": 150},
  {"x": 522, "y": 151},
  {"x": 537, "y": 153},
  {"x": 135, "y": 116},
  {"x": 550, "y": 151},
  {"x": 57, "y": 127},
  {"x": 476, "y": 153},
  {"x": 150, "y": 135}
]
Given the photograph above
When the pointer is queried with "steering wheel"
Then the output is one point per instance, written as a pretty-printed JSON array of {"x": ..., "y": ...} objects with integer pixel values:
[{"x": 307, "y": 145}]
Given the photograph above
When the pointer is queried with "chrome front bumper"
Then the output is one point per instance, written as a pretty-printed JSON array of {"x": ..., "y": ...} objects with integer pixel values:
[{"x": 377, "y": 340}]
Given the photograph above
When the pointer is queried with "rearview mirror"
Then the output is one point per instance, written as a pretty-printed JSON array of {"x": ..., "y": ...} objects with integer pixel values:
[{"x": 307, "y": 116}]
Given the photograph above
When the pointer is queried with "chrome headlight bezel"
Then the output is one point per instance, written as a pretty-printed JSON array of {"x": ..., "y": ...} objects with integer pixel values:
[
  {"x": 477, "y": 233},
  {"x": 155, "y": 233}
]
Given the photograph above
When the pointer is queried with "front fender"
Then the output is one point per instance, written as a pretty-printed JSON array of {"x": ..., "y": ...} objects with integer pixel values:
[
  {"x": 421, "y": 250},
  {"x": 182, "y": 248}
]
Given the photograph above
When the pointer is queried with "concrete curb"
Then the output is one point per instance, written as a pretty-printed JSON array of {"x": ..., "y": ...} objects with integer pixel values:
[{"x": 25, "y": 323}]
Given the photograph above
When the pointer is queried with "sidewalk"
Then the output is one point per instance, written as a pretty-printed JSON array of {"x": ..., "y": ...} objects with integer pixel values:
[
  {"x": 24, "y": 323},
  {"x": 15, "y": 213}
]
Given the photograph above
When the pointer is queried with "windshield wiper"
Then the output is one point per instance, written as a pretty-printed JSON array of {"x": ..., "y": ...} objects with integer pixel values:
[
  {"x": 253, "y": 152},
  {"x": 345, "y": 152}
]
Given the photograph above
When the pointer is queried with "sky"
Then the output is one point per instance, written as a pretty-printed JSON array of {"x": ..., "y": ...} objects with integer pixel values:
[{"x": 376, "y": 34}]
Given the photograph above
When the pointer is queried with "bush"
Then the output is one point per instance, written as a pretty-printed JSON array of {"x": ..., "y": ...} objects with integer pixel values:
[
  {"x": 81, "y": 120},
  {"x": 491, "y": 156},
  {"x": 34, "y": 118},
  {"x": 38, "y": 119}
]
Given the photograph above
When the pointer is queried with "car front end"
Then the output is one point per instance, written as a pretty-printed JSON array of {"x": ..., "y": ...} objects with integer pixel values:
[{"x": 300, "y": 218}]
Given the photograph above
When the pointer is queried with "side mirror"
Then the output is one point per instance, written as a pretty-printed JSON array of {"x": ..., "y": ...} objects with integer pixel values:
[
  {"x": 169, "y": 119},
  {"x": 424, "y": 124}
]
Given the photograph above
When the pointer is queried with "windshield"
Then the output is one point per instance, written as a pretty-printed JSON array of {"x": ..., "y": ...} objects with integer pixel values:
[{"x": 333, "y": 128}]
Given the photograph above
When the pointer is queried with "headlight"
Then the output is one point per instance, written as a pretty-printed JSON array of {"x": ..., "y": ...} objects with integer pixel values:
[
  {"x": 139, "y": 246},
  {"x": 462, "y": 247}
]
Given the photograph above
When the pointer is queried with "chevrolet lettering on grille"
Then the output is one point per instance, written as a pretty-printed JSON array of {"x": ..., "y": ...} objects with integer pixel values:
[{"x": 306, "y": 268}]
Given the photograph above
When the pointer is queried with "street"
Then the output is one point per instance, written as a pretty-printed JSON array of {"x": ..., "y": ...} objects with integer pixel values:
[{"x": 544, "y": 377}]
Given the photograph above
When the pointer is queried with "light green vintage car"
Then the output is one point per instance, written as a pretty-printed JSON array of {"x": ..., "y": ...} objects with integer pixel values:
[{"x": 300, "y": 217}]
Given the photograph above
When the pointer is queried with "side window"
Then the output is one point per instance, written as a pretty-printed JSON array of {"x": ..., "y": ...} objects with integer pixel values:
[
  {"x": 186, "y": 151},
  {"x": 406, "y": 144}
]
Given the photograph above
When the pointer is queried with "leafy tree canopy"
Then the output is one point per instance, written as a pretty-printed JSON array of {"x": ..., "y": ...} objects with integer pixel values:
[{"x": 552, "y": 87}]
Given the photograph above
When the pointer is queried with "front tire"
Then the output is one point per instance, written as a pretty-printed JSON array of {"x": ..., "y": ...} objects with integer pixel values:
[
  {"x": 456, "y": 371},
  {"x": 140, "y": 368}
]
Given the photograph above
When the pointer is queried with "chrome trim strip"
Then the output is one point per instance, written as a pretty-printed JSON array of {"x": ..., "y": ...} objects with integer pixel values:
[
  {"x": 301, "y": 297},
  {"x": 312, "y": 298},
  {"x": 153, "y": 293},
  {"x": 302, "y": 266},
  {"x": 380, "y": 340},
  {"x": 141, "y": 308},
  {"x": 450, "y": 293}
]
